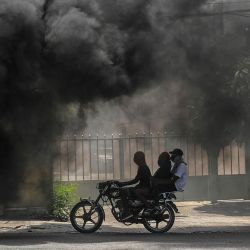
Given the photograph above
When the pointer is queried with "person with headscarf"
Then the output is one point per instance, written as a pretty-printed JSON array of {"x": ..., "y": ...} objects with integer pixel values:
[{"x": 164, "y": 170}]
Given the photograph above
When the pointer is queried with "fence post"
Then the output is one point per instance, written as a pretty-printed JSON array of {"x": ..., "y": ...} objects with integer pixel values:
[
  {"x": 113, "y": 155},
  {"x": 212, "y": 175},
  {"x": 247, "y": 166},
  {"x": 68, "y": 156},
  {"x": 75, "y": 145},
  {"x": 121, "y": 156}
]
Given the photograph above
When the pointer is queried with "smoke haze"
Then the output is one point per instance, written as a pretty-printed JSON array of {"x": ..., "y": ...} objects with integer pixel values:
[{"x": 55, "y": 55}]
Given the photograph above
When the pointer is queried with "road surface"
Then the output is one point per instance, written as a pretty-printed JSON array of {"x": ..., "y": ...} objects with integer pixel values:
[{"x": 125, "y": 240}]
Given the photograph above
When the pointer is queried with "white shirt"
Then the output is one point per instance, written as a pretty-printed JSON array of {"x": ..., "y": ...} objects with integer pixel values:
[{"x": 182, "y": 173}]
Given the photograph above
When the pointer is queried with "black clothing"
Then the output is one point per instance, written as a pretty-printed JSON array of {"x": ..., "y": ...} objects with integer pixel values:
[
  {"x": 176, "y": 151},
  {"x": 166, "y": 188},
  {"x": 163, "y": 172},
  {"x": 126, "y": 194},
  {"x": 143, "y": 176},
  {"x": 162, "y": 189}
]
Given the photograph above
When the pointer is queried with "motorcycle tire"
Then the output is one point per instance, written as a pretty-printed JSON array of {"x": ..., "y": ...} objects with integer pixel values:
[
  {"x": 82, "y": 227},
  {"x": 170, "y": 222}
]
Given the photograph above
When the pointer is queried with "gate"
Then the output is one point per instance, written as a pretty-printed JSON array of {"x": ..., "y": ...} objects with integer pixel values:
[{"x": 88, "y": 159}]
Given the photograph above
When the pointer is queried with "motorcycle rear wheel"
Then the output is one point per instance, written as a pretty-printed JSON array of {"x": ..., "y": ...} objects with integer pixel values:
[
  {"x": 83, "y": 219},
  {"x": 166, "y": 221}
]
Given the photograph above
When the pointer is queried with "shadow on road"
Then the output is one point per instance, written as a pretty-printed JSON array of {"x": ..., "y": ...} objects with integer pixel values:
[
  {"x": 111, "y": 234},
  {"x": 228, "y": 208}
]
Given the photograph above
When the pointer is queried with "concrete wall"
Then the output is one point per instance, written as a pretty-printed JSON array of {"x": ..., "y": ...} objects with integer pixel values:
[{"x": 229, "y": 187}]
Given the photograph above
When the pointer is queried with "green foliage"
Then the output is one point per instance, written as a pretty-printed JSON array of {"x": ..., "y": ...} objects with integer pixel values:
[{"x": 64, "y": 197}]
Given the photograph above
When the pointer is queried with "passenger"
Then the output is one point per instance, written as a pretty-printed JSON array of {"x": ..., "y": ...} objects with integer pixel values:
[
  {"x": 179, "y": 174},
  {"x": 143, "y": 176},
  {"x": 164, "y": 170}
]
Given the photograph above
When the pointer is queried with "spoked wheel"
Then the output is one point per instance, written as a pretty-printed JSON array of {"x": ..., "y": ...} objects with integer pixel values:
[
  {"x": 160, "y": 223},
  {"x": 84, "y": 219}
]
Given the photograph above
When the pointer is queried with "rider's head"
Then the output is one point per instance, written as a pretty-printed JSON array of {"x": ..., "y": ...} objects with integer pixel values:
[
  {"x": 163, "y": 160},
  {"x": 139, "y": 158},
  {"x": 176, "y": 154}
]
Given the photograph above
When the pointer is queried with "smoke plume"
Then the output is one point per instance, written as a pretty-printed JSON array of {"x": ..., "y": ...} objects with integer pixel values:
[{"x": 57, "y": 53}]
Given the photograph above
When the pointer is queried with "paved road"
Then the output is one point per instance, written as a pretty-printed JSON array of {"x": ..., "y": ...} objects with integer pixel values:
[
  {"x": 111, "y": 240},
  {"x": 224, "y": 225}
]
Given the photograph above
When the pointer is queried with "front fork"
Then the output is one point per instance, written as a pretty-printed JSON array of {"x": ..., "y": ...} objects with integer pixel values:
[{"x": 94, "y": 204}]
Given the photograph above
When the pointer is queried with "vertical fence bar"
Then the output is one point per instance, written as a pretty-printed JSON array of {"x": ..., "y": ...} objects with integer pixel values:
[
  {"x": 158, "y": 142},
  {"x": 202, "y": 163},
  {"x": 179, "y": 139},
  {"x": 231, "y": 158},
  {"x": 97, "y": 157},
  {"x": 136, "y": 141},
  {"x": 68, "y": 156},
  {"x": 105, "y": 156},
  {"x": 129, "y": 155},
  {"x": 223, "y": 161},
  {"x": 144, "y": 142},
  {"x": 82, "y": 157},
  {"x": 238, "y": 158},
  {"x": 121, "y": 154},
  {"x": 195, "y": 160},
  {"x": 113, "y": 160},
  {"x": 165, "y": 141},
  {"x": 151, "y": 151},
  {"x": 60, "y": 159},
  {"x": 75, "y": 157},
  {"x": 90, "y": 160}
]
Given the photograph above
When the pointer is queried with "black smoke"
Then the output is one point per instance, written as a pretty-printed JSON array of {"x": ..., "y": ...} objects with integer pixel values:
[{"x": 57, "y": 52}]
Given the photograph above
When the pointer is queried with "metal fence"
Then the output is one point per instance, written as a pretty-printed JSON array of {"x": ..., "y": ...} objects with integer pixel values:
[{"x": 102, "y": 157}]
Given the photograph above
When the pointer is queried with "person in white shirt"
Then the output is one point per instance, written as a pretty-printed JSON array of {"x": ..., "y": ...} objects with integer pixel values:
[{"x": 179, "y": 170}]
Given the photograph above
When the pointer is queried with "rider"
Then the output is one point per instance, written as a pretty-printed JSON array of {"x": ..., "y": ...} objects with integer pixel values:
[
  {"x": 143, "y": 176},
  {"x": 179, "y": 173}
]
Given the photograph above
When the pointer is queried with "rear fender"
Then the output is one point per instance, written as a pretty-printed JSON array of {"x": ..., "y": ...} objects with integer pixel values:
[{"x": 172, "y": 205}]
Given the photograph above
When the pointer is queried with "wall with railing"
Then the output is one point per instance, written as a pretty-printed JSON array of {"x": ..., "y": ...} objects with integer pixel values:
[{"x": 89, "y": 157}]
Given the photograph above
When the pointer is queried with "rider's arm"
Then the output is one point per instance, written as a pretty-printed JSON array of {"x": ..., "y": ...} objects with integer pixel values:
[
  {"x": 131, "y": 182},
  {"x": 127, "y": 183}
]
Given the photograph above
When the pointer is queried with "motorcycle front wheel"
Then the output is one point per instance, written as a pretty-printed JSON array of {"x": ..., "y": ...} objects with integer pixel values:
[
  {"x": 84, "y": 219},
  {"x": 162, "y": 222}
]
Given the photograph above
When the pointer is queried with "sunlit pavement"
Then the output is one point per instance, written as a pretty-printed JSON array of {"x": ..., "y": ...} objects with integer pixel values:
[{"x": 225, "y": 224}]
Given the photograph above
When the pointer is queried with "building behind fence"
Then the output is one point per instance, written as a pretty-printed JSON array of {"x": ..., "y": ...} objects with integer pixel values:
[{"x": 111, "y": 157}]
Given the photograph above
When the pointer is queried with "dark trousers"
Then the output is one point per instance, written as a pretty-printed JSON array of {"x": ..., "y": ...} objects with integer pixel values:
[
  {"x": 163, "y": 188},
  {"x": 142, "y": 194},
  {"x": 134, "y": 193},
  {"x": 126, "y": 194}
]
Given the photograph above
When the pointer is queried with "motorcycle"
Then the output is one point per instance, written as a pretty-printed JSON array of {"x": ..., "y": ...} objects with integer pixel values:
[{"x": 88, "y": 215}]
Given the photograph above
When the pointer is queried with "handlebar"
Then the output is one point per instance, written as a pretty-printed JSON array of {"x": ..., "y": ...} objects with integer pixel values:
[{"x": 101, "y": 185}]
